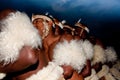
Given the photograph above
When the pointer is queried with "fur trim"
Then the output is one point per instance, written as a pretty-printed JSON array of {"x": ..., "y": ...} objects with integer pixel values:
[
  {"x": 88, "y": 49},
  {"x": 51, "y": 72},
  {"x": 70, "y": 53},
  {"x": 116, "y": 73},
  {"x": 2, "y": 75},
  {"x": 111, "y": 55},
  {"x": 109, "y": 77},
  {"x": 17, "y": 31},
  {"x": 99, "y": 55},
  {"x": 93, "y": 76},
  {"x": 117, "y": 65},
  {"x": 104, "y": 71}
]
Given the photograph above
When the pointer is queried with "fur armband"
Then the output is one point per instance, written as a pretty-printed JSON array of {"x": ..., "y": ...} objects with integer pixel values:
[
  {"x": 111, "y": 55},
  {"x": 70, "y": 53},
  {"x": 99, "y": 55},
  {"x": 50, "y": 72}
]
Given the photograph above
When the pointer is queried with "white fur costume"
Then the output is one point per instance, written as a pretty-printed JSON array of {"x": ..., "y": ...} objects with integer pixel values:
[
  {"x": 88, "y": 49},
  {"x": 17, "y": 31},
  {"x": 50, "y": 72},
  {"x": 111, "y": 55},
  {"x": 109, "y": 76},
  {"x": 99, "y": 55},
  {"x": 70, "y": 53},
  {"x": 93, "y": 76},
  {"x": 115, "y": 73}
]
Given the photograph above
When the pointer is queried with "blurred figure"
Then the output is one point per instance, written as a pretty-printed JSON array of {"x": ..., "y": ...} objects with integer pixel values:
[{"x": 17, "y": 51}]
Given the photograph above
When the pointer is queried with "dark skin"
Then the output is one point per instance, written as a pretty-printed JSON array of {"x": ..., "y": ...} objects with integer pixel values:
[
  {"x": 42, "y": 62},
  {"x": 76, "y": 76},
  {"x": 5, "y": 12},
  {"x": 87, "y": 69},
  {"x": 27, "y": 57},
  {"x": 97, "y": 67}
]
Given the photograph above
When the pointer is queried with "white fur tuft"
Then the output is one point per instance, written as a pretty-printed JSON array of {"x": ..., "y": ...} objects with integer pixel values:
[
  {"x": 88, "y": 49},
  {"x": 2, "y": 75},
  {"x": 99, "y": 55},
  {"x": 70, "y": 53},
  {"x": 51, "y": 72},
  {"x": 17, "y": 31},
  {"x": 93, "y": 76},
  {"x": 109, "y": 76},
  {"x": 104, "y": 71},
  {"x": 111, "y": 55}
]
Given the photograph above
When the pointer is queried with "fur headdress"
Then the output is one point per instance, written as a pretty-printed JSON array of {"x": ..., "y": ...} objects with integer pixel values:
[
  {"x": 70, "y": 53},
  {"x": 46, "y": 26},
  {"x": 99, "y": 55},
  {"x": 16, "y": 31},
  {"x": 111, "y": 55}
]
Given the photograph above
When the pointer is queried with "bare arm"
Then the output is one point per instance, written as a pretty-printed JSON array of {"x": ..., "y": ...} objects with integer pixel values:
[{"x": 26, "y": 58}]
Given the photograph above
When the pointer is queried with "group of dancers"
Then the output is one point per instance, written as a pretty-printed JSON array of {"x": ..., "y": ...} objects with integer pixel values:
[{"x": 41, "y": 47}]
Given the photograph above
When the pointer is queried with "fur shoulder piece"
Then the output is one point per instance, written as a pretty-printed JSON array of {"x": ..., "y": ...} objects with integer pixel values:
[
  {"x": 50, "y": 72},
  {"x": 17, "y": 31},
  {"x": 70, "y": 53},
  {"x": 99, "y": 55},
  {"x": 111, "y": 55},
  {"x": 88, "y": 49}
]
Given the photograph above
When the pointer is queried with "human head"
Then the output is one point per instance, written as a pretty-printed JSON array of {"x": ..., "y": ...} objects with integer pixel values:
[
  {"x": 81, "y": 30},
  {"x": 43, "y": 23}
]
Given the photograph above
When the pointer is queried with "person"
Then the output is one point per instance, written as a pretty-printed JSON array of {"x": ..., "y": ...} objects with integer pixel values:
[
  {"x": 45, "y": 26},
  {"x": 89, "y": 52},
  {"x": 68, "y": 72},
  {"x": 81, "y": 31},
  {"x": 17, "y": 51},
  {"x": 28, "y": 44},
  {"x": 111, "y": 58},
  {"x": 74, "y": 60}
]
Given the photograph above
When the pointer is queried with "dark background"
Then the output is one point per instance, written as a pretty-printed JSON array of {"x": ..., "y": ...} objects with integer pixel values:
[{"x": 101, "y": 16}]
